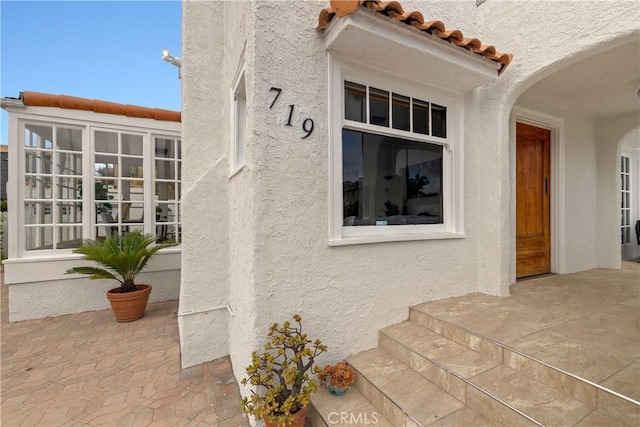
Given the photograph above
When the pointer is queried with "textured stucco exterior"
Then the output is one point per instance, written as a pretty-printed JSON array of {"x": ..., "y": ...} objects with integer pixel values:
[
  {"x": 36, "y": 300},
  {"x": 261, "y": 236}
]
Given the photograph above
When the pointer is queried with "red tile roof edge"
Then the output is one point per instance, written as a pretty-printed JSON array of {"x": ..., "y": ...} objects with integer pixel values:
[
  {"x": 38, "y": 99},
  {"x": 394, "y": 10}
]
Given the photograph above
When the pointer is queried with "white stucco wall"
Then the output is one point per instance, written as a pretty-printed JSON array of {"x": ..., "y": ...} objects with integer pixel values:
[
  {"x": 204, "y": 290},
  {"x": 39, "y": 289},
  {"x": 275, "y": 240},
  {"x": 611, "y": 132}
]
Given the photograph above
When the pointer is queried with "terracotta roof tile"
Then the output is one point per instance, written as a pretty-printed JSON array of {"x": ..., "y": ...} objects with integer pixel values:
[
  {"x": 37, "y": 99},
  {"x": 394, "y": 10}
]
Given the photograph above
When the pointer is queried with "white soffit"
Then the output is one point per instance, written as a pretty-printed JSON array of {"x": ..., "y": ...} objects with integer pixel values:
[{"x": 400, "y": 49}]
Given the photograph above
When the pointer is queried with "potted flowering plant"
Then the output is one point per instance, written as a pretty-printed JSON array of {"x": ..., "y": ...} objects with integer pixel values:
[
  {"x": 282, "y": 373},
  {"x": 338, "y": 377}
]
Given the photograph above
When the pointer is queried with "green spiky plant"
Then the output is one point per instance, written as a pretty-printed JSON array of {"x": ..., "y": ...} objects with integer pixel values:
[{"x": 122, "y": 256}]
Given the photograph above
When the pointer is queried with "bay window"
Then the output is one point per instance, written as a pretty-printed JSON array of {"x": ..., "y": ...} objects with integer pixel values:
[
  {"x": 88, "y": 182},
  {"x": 395, "y": 158}
]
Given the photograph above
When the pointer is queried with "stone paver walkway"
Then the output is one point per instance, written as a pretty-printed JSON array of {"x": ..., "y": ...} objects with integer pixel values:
[{"x": 88, "y": 370}]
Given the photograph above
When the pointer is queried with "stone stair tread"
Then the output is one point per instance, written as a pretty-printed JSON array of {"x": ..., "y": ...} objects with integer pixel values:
[
  {"x": 350, "y": 409},
  {"x": 421, "y": 400},
  {"x": 453, "y": 356},
  {"x": 541, "y": 402},
  {"x": 466, "y": 417}
]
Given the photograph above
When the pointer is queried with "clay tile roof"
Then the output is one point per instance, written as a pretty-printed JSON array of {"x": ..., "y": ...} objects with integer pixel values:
[
  {"x": 37, "y": 99},
  {"x": 394, "y": 10}
]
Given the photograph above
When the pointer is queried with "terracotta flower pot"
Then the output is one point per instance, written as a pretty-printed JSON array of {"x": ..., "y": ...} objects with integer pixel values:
[
  {"x": 129, "y": 306},
  {"x": 298, "y": 419}
]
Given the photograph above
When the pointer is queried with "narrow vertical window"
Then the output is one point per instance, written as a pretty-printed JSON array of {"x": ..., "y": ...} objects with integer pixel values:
[
  {"x": 625, "y": 213},
  {"x": 378, "y": 107},
  {"x": 439, "y": 120},
  {"x": 355, "y": 102},
  {"x": 239, "y": 124},
  {"x": 400, "y": 115},
  {"x": 53, "y": 187},
  {"x": 168, "y": 179}
]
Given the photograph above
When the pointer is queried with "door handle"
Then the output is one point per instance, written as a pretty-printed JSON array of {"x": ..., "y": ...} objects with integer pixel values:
[{"x": 546, "y": 185}]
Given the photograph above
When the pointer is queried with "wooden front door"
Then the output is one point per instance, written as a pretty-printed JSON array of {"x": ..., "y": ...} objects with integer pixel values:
[{"x": 533, "y": 248}]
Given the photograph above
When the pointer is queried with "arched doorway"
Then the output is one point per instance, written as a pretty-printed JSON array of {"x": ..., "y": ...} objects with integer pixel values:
[{"x": 584, "y": 108}]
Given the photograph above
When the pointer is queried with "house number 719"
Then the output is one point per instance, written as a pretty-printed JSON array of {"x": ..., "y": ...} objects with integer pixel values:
[{"x": 307, "y": 124}]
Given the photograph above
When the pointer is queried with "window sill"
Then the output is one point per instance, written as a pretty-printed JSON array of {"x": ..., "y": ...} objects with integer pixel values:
[
  {"x": 407, "y": 237},
  {"x": 52, "y": 267}
]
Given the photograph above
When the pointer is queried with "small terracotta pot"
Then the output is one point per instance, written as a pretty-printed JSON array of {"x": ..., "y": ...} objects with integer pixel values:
[
  {"x": 298, "y": 419},
  {"x": 129, "y": 306}
]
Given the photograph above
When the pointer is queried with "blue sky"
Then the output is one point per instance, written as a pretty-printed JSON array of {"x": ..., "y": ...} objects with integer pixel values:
[{"x": 107, "y": 50}]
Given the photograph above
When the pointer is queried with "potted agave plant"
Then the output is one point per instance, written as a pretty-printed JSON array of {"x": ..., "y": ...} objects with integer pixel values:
[
  {"x": 282, "y": 374},
  {"x": 338, "y": 377},
  {"x": 121, "y": 258}
]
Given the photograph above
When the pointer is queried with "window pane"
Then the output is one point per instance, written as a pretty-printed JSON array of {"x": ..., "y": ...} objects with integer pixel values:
[
  {"x": 38, "y": 136},
  {"x": 38, "y": 213},
  {"x": 68, "y": 237},
  {"x": 420, "y": 117},
  {"x": 132, "y": 190},
  {"x": 165, "y": 169},
  {"x": 400, "y": 112},
  {"x": 378, "y": 107},
  {"x": 131, "y": 212},
  {"x": 128, "y": 228},
  {"x": 37, "y": 162},
  {"x": 69, "y": 213},
  {"x": 439, "y": 120},
  {"x": 390, "y": 181},
  {"x": 69, "y": 139},
  {"x": 165, "y": 148},
  {"x": 69, "y": 164},
  {"x": 69, "y": 188},
  {"x": 106, "y": 142},
  {"x": 166, "y": 232},
  {"x": 132, "y": 144},
  {"x": 355, "y": 106},
  {"x": 132, "y": 167},
  {"x": 106, "y": 189},
  {"x": 165, "y": 191},
  {"x": 102, "y": 231},
  {"x": 107, "y": 212},
  {"x": 106, "y": 166},
  {"x": 37, "y": 187},
  {"x": 179, "y": 145},
  {"x": 165, "y": 212},
  {"x": 38, "y": 238}
]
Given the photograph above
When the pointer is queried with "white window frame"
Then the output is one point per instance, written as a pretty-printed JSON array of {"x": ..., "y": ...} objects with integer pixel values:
[
  {"x": 626, "y": 209},
  {"x": 341, "y": 69},
  {"x": 88, "y": 127},
  {"x": 238, "y": 120}
]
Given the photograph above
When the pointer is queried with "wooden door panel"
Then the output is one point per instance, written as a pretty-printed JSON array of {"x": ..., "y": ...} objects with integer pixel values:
[{"x": 532, "y": 200}]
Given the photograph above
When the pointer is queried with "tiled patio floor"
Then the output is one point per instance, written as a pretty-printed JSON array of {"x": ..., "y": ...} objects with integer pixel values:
[
  {"x": 88, "y": 370},
  {"x": 586, "y": 323}
]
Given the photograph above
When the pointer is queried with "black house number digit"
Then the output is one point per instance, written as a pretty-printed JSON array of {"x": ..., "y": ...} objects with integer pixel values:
[{"x": 307, "y": 123}]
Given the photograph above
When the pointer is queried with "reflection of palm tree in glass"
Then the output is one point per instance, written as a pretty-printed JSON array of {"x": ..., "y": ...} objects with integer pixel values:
[{"x": 415, "y": 185}]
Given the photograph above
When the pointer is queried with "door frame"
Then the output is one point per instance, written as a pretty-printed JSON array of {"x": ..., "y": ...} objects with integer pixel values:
[{"x": 557, "y": 183}]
